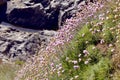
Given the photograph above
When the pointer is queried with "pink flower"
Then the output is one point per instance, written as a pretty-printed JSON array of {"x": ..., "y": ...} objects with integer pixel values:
[
  {"x": 85, "y": 52},
  {"x": 86, "y": 62},
  {"x": 74, "y": 62},
  {"x": 76, "y": 66}
]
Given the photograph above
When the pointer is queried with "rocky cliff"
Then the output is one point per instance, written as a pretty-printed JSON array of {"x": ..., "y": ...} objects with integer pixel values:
[
  {"x": 43, "y": 15},
  {"x": 18, "y": 43}
]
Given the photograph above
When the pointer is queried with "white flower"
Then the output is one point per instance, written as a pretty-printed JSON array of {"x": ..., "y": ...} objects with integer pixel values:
[
  {"x": 58, "y": 72},
  {"x": 93, "y": 47},
  {"x": 86, "y": 62},
  {"x": 98, "y": 30},
  {"x": 59, "y": 68},
  {"x": 86, "y": 42},
  {"x": 85, "y": 52},
  {"x": 80, "y": 59},
  {"x": 63, "y": 71},
  {"x": 117, "y": 41},
  {"x": 90, "y": 29},
  {"x": 102, "y": 41},
  {"x": 67, "y": 58},
  {"x": 112, "y": 50},
  {"x": 107, "y": 18},
  {"x": 71, "y": 78},
  {"x": 110, "y": 45},
  {"x": 83, "y": 35},
  {"x": 74, "y": 62},
  {"x": 79, "y": 55},
  {"x": 76, "y": 76},
  {"x": 108, "y": 12}
]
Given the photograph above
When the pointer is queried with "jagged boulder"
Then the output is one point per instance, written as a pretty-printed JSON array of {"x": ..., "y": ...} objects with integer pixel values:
[
  {"x": 3, "y": 8},
  {"x": 42, "y": 14}
]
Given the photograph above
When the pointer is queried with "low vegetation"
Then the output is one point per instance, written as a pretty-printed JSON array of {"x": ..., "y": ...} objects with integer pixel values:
[
  {"x": 91, "y": 53},
  {"x": 8, "y": 71},
  {"x": 81, "y": 51}
]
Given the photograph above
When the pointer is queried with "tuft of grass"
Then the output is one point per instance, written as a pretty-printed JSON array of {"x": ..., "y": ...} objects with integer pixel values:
[
  {"x": 20, "y": 63},
  {"x": 96, "y": 63},
  {"x": 99, "y": 71},
  {"x": 8, "y": 71}
]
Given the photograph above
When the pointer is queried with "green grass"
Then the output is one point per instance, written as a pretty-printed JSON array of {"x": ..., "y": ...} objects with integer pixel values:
[
  {"x": 97, "y": 65},
  {"x": 99, "y": 71},
  {"x": 7, "y": 71}
]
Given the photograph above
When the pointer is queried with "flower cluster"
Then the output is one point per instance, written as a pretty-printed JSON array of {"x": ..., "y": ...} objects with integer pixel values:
[{"x": 51, "y": 53}]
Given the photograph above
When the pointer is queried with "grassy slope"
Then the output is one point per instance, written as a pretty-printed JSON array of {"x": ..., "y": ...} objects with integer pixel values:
[
  {"x": 93, "y": 53},
  {"x": 101, "y": 39}
]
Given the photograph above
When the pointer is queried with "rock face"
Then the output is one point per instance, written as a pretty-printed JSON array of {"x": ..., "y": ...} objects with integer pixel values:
[
  {"x": 41, "y": 14},
  {"x": 3, "y": 8},
  {"x": 17, "y": 44}
]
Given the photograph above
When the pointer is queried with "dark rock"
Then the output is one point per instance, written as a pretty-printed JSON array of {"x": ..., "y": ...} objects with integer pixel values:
[
  {"x": 3, "y": 8},
  {"x": 45, "y": 3},
  {"x": 16, "y": 44},
  {"x": 29, "y": 17},
  {"x": 42, "y": 14}
]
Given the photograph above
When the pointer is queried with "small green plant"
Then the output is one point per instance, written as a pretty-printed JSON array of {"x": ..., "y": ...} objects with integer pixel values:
[
  {"x": 18, "y": 62},
  {"x": 99, "y": 71}
]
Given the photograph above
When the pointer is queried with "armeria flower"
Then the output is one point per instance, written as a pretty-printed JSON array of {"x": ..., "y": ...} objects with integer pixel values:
[
  {"x": 52, "y": 65},
  {"x": 58, "y": 73},
  {"x": 115, "y": 10},
  {"x": 103, "y": 29},
  {"x": 90, "y": 29},
  {"x": 71, "y": 78},
  {"x": 76, "y": 66},
  {"x": 83, "y": 34},
  {"x": 93, "y": 48},
  {"x": 79, "y": 59},
  {"x": 86, "y": 42},
  {"x": 110, "y": 45},
  {"x": 108, "y": 12},
  {"x": 112, "y": 50},
  {"x": 107, "y": 18},
  {"x": 102, "y": 41},
  {"x": 98, "y": 30},
  {"x": 117, "y": 37},
  {"x": 116, "y": 16},
  {"x": 79, "y": 55},
  {"x": 63, "y": 71},
  {"x": 54, "y": 70},
  {"x": 60, "y": 68},
  {"x": 67, "y": 58},
  {"x": 74, "y": 62},
  {"x": 113, "y": 20},
  {"x": 85, "y": 52},
  {"x": 76, "y": 76},
  {"x": 101, "y": 16},
  {"x": 112, "y": 28},
  {"x": 86, "y": 62},
  {"x": 117, "y": 41}
]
